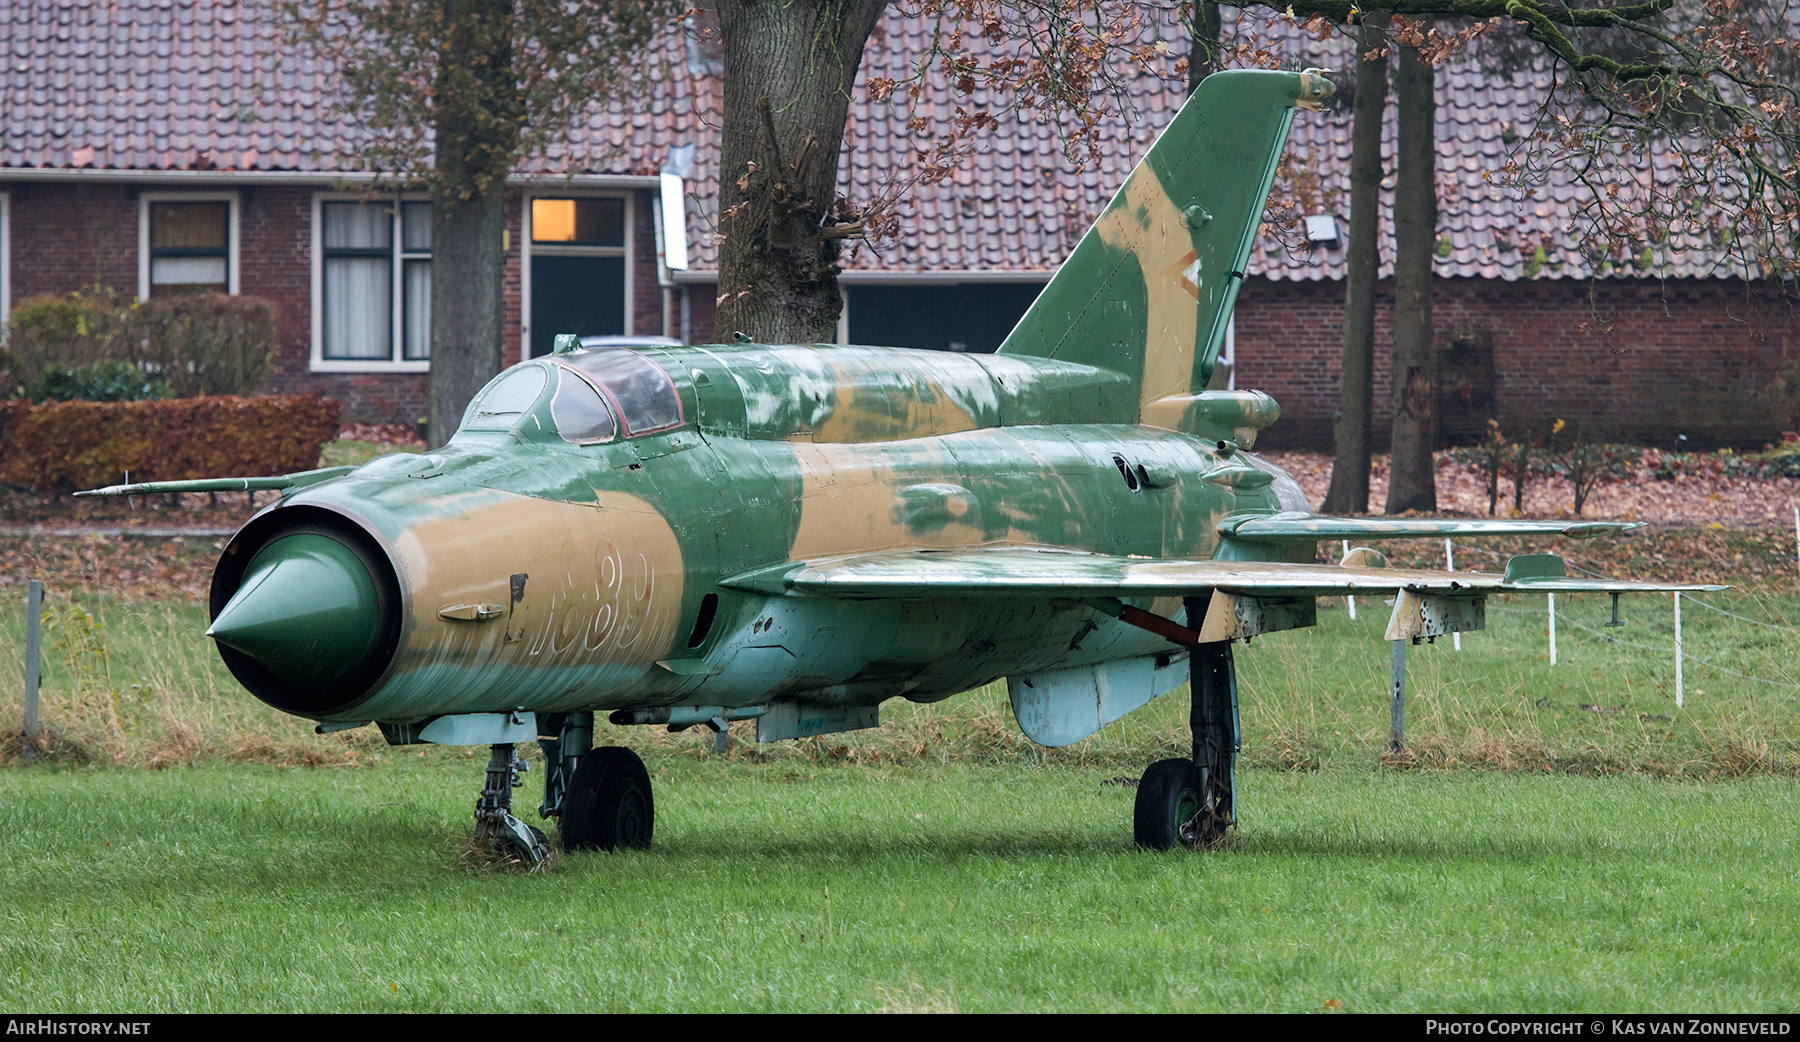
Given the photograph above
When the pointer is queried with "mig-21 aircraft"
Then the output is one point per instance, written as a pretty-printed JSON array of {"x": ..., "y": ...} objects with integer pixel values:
[{"x": 795, "y": 533}]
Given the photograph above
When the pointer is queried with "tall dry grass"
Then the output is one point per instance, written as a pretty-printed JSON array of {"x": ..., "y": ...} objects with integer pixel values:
[{"x": 139, "y": 685}]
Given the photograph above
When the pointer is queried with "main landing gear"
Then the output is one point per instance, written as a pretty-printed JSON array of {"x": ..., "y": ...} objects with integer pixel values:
[
  {"x": 609, "y": 806},
  {"x": 602, "y": 796},
  {"x": 1191, "y": 802}
]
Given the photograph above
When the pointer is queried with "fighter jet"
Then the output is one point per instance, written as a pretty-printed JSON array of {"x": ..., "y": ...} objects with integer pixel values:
[{"x": 795, "y": 533}]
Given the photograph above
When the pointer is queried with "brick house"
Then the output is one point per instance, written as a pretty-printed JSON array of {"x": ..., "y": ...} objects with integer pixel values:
[{"x": 155, "y": 145}]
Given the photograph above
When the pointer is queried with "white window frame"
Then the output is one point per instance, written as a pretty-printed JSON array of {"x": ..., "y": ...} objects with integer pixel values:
[
  {"x": 527, "y": 248},
  {"x": 395, "y": 363},
  {"x": 231, "y": 233},
  {"x": 5, "y": 259}
]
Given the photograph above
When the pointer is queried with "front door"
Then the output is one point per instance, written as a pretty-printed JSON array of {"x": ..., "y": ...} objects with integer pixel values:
[
  {"x": 578, "y": 276},
  {"x": 580, "y": 295}
]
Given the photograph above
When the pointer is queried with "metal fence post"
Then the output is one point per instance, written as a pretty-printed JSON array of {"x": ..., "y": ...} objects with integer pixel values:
[
  {"x": 1552, "y": 599},
  {"x": 1678, "y": 692},
  {"x": 34, "y": 611},
  {"x": 1450, "y": 566},
  {"x": 1397, "y": 700}
]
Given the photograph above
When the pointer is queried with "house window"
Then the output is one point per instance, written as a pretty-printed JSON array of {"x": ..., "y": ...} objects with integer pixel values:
[
  {"x": 5, "y": 255},
  {"x": 373, "y": 303},
  {"x": 575, "y": 275},
  {"x": 187, "y": 243},
  {"x": 578, "y": 222},
  {"x": 189, "y": 248},
  {"x": 972, "y": 317}
]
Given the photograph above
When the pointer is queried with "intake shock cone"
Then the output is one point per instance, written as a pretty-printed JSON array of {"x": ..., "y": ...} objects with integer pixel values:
[
  {"x": 310, "y": 621},
  {"x": 306, "y": 610}
]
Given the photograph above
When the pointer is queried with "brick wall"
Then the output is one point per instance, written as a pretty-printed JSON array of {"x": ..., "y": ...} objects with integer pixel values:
[
  {"x": 512, "y": 343},
  {"x": 646, "y": 292},
  {"x": 1686, "y": 357},
  {"x": 65, "y": 237},
  {"x": 1639, "y": 361},
  {"x": 703, "y": 307}
]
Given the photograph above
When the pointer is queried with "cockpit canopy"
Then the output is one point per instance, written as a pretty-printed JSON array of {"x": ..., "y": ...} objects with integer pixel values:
[
  {"x": 597, "y": 393},
  {"x": 638, "y": 388}
]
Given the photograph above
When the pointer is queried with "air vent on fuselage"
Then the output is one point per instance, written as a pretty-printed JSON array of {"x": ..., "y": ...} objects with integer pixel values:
[
  {"x": 1128, "y": 472},
  {"x": 709, "y": 607}
]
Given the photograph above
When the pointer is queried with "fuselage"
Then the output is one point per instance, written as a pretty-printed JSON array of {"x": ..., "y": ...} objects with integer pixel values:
[{"x": 537, "y": 569}]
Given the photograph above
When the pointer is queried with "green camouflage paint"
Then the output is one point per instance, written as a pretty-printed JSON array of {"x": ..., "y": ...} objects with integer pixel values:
[{"x": 839, "y": 524}]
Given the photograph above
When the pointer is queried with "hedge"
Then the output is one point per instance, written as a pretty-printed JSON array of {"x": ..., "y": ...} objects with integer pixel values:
[
  {"x": 73, "y": 445},
  {"x": 191, "y": 345}
]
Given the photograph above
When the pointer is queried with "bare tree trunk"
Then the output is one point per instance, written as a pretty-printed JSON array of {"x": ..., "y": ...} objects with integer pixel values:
[
  {"x": 1349, "y": 492},
  {"x": 467, "y": 267},
  {"x": 783, "y": 127},
  {"x": 1412, "y": 483},
  {"x": 478, "y": 114}
]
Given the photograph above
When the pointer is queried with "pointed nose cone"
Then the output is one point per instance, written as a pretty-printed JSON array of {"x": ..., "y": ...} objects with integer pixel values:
[{"x": 306, "y": 610}]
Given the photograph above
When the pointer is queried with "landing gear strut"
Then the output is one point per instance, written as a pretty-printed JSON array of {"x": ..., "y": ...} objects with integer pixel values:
[
  {"x": 565, "y": 738},
  {"x": 601, "y": 795},
  {"x": 494, "y": 821},
  {"x": 1193, "y": 803}
]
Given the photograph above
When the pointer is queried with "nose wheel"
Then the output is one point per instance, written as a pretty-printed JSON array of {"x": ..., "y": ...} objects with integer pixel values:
[
  {"x": 609, "y": 804},
  {"x": 495, "y": 826}
]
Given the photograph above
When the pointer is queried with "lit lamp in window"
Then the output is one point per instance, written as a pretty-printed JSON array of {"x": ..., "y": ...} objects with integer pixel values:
[{"x": 578, "y": 222}]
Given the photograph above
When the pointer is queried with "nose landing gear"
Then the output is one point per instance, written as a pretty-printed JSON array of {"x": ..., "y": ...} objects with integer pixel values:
[{"x": 495, "y": 825}]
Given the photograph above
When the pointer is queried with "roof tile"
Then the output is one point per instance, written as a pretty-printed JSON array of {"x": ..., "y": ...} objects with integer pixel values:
[{"x": 148, "y": 84}]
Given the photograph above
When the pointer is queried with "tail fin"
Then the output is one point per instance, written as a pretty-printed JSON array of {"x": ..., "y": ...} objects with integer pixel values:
[{"x": 1149, "y": 289}]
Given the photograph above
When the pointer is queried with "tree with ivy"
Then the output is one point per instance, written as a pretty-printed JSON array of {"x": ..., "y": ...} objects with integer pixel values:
[
  {"x": 450, "y": 96},
  {"x": 1711, "y": 79}
]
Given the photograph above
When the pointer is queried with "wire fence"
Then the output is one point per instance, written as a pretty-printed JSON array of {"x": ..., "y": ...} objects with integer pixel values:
[
  {"x": 1688, "y": 655},
  {"x": 1677, "y": 651},
  {"x": 1742, "y": 618}
]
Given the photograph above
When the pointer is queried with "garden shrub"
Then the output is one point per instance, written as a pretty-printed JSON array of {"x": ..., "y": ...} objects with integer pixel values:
[
  {"x": 81, "y": 444},
  {"x": 113, "y": 381},
  {"x": 197, "y": 344}
]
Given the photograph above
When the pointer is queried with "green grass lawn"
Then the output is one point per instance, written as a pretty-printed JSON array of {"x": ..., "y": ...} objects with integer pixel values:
[
  {"x": 871, "y": 886},
  {"x": 1558, "y": 839}
]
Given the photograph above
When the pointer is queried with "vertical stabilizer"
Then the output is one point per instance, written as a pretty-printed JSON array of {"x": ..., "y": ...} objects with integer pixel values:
[{"x": 1149, "y": 289}]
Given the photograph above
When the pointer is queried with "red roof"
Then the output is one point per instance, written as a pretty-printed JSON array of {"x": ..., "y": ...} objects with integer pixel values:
[{"x": 183, "y": 85}]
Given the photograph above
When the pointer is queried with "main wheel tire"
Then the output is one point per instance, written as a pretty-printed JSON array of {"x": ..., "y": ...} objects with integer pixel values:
[
  {"x": 1168, "y": 798},
  {"x": 609, "y": 805}
]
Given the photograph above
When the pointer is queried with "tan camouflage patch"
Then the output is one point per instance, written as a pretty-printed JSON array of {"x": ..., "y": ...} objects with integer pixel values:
[
  {"x": 1150, "y": 225},
  {"x": 599, "y": 585}
]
